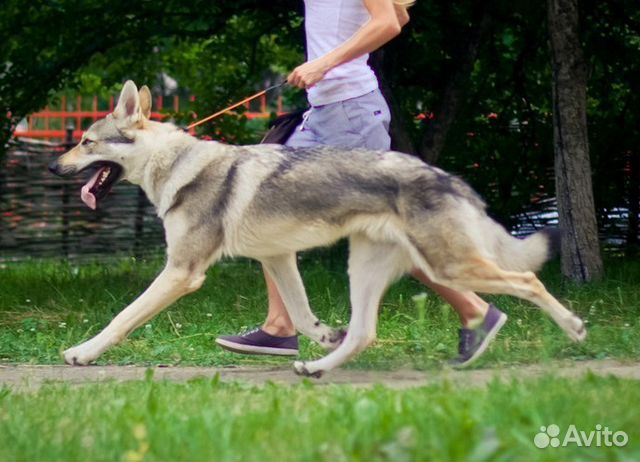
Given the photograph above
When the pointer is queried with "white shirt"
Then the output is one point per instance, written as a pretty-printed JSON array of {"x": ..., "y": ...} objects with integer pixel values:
[{"x": 328, "y": 24}]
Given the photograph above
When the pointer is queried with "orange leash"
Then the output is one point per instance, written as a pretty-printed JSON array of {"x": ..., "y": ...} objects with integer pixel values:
[{"x": 235, "y": 105}]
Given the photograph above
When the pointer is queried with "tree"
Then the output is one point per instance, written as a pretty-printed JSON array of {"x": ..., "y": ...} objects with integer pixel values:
[
  {"x": 467, "y": 82},
  {"x": 581, "y": 260},
  {"x": 434, "y": 138},
  {"x": 44, "y": 44}
]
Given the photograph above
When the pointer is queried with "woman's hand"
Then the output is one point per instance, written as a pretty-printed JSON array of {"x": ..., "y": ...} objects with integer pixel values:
[{"x": 308, "y": 74}]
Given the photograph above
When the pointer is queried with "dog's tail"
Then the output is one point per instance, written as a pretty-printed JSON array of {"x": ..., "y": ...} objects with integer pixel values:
[{"x": 528, "y": 254}]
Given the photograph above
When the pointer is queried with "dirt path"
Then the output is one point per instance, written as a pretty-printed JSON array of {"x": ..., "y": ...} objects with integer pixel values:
[{"x": 26, "y": 377}]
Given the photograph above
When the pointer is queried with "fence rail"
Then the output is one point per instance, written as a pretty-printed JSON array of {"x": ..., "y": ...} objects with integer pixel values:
[
  {"x": 41, "y": 215},
  {"x": 53, "y": 123}
]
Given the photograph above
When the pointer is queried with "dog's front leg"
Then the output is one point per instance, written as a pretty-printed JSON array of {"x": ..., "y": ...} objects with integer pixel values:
[
  {"x": 285, "y": 274},
  {"x": 172, "y": 283}
]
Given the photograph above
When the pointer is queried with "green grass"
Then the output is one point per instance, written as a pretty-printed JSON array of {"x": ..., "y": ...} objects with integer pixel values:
[
  {"x": 211, "y": 420},
  {"x": 48, "y": 306}
]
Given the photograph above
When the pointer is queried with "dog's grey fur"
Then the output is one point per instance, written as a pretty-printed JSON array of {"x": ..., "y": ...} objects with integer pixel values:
[{"x": 269, "y": 201}]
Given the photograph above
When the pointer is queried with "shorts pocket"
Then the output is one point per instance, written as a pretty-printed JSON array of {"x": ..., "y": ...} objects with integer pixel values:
[
  {"x": 369, "y": 117},
  {"x": 352, "y": 114}
]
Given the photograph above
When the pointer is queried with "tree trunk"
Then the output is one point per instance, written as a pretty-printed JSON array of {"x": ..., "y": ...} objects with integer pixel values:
[
  {"x": 581, "y": 260},
  {"x": 435, "y": 136}
]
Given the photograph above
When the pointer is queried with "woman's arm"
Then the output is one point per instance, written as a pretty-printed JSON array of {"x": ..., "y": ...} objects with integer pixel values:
[
  {"x": 384, "y": 24},
  {"x": 402, "y": 14}
]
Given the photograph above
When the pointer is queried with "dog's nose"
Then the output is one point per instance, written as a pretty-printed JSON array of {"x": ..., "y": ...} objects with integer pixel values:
[{"x": 53, "y": 167}]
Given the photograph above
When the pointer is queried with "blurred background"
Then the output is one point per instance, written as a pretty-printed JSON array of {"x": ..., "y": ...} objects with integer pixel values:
[{"x": 469, "y": 83}]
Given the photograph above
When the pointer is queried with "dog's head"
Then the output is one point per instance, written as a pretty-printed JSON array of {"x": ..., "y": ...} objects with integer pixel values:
[{"x": 108, "y": 145}]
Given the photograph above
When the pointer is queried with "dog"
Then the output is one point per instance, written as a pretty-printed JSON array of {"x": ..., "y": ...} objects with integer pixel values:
[{"x": 268, "y": 202}]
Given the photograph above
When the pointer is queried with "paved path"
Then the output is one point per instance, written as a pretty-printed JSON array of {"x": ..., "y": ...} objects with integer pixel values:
[{"x": 28, "y": 377}]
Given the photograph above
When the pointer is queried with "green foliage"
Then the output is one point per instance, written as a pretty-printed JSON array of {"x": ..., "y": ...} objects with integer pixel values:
[
  {"x": 206, "y": 419},
  {"x": 43, "y": 45},
  {"x": 249, "y": 53},
  {"x": 505, "y": 128}
]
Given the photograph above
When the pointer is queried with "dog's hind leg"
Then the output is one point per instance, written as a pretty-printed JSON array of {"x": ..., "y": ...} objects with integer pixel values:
[
  {"x": 285, "y": 274},
  {"x": 481, "y": 275},
  {"x": 372, "y": 267}
]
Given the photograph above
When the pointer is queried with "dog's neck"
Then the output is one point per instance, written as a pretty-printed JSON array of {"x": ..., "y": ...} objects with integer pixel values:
[
  {"x": 165, "y": 161},
  {"x": 151, "y": 151}
]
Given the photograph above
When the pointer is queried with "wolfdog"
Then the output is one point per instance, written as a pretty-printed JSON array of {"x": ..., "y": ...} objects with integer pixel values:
[{"x": 268, "y": 202}]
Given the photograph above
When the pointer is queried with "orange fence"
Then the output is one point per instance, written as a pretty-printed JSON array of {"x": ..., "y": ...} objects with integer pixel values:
[{"x": 54, "y": 123}]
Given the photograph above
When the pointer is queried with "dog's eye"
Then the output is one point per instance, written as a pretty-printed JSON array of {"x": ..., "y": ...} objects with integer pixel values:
[{"x": 87, "y": 142}]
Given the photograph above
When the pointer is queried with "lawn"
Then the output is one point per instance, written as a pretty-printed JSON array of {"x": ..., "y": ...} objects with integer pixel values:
[
  {"x": 48, "y": 306},
  {"x": 212, "y": 420}
]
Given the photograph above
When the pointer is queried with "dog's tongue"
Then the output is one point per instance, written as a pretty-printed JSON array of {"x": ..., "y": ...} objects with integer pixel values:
[{"x": 86, "y": 194}]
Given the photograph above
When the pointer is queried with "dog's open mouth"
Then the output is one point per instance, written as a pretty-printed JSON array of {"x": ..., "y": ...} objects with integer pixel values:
[{"x": 100, "y": 183}]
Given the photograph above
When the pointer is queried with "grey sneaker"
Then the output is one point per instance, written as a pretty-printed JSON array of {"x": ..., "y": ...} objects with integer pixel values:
[
  {"x": 474, "y": 342},
  {"x": 258, "y": 342}
]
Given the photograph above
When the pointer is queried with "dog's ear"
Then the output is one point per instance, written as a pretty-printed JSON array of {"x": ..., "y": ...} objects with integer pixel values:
[
  {"x": 128, "y": 106},
  {"x": 145, "y": 101}
]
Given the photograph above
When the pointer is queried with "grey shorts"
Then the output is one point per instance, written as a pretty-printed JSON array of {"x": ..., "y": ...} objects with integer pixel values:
[{"x": 361, "y": 122}]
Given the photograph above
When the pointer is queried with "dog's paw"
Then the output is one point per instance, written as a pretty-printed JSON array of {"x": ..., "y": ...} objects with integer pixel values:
[
  {"x": 301, "y": 368},
  {"x": 332, "y": 338},
  {"x": 77, "y": 356},
  {"x": 575, "y": 329}
]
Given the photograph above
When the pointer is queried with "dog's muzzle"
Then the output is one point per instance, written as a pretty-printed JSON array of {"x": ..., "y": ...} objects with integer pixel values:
[{"x": 57, "y": 169}]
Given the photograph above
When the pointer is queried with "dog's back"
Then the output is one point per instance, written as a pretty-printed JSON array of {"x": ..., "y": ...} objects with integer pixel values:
[{"x": 294, "y": 199}]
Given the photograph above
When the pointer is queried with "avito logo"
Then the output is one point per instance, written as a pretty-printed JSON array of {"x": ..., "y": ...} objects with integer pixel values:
[{"x": 601, "y": 436}]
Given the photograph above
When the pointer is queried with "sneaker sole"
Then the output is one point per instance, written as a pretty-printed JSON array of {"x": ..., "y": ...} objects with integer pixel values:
[
  {"x": 255, "y": 349},
  {"x": 485, "y": 343}
]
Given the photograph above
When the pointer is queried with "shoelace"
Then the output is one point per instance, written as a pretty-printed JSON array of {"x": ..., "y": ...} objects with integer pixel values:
[
  {"x": 248, "y": 331},
  {"x": 466, "y": 341}
]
